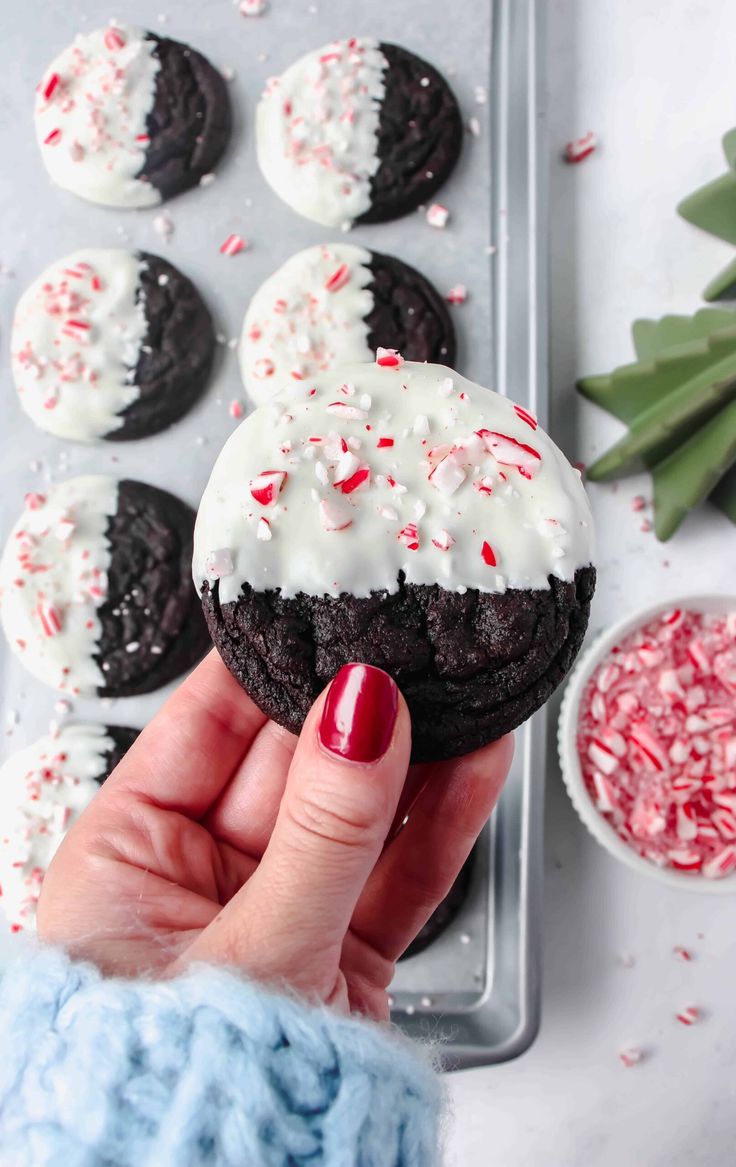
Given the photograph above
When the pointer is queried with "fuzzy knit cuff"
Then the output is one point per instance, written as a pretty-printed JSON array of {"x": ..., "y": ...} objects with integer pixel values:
[{"x": 205, "y": 1069}]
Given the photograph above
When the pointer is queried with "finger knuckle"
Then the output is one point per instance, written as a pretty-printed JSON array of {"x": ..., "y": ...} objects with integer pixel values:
[{"x": 325, "y": 816}]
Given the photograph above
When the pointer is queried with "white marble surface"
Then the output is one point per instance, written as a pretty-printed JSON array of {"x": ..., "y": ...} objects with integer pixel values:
[{"x": 655, "y": 80}]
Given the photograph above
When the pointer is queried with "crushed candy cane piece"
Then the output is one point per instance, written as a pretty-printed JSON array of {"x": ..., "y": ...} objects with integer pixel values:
[
  {"x": 631, "y": 1056},
  {"x": 443, "y": 541},
  {"x": 163, "y": 225},
  {"x": 581, "y": 148},
  {"x": 657, "y": 742},
  {"x": 338, "y": 279},
  {"x": 458, "y": 294},
  {"x": 219, "y": 563},
  {"x": 389, "y": 358},
  {"x": 409, "y": 536},
  {"x": 332, "y": 517},
  {"x": 437, "y": 215},
  {"x": 690, "y": 1015},
  {"x": 488, "y": 555},
  {"x": 233, "y": 245},
  {"x": 267, "y": 486}
]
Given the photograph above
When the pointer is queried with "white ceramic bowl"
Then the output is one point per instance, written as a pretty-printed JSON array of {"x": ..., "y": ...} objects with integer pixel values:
[{"x": 572, "y": 773}]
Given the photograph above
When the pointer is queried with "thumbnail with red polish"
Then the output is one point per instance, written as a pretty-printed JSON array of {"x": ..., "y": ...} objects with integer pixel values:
[{"x": 359, "y": 714}]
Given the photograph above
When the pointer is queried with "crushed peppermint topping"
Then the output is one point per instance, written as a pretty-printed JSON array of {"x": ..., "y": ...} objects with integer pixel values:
[
  {"x": 631, "y": 1057},
  {"x": 409, "y": 536},
  {"x": 526, "y": 416},
  {"x": 458, "y": 294},
  {"x": 389, "y": 358},
  {"x": 338, "y": 279},
  {"x": 267, "y": 486},
  {"x": 657, "y": 741},
  {"x": 581, "y": 148},
  {"x": 220, "y": 563},
  {"x": 437, "y": 215},
  {"x": 406, "y": 476},
  {"x": 443, "y": 540},
  {"x": 347, "y": 412},
  {"x": 690, "y": 1015},
  {"x": 488, "y": 555},
  {"x": 233, "y": 245},
  {"x": 333, "y": 518}
]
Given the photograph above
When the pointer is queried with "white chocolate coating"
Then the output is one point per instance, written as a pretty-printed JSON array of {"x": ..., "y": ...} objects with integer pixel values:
[
  {"x": 317, "y": 130},
  {"x": 309, "y": 316},
  {"x": 91, "y": 110},
  {"x": 364, "y": 472},
  {"x": 53, "y": 578},
  {"x": 77, "y": 335},
  {"x": 43, "y": 790}
]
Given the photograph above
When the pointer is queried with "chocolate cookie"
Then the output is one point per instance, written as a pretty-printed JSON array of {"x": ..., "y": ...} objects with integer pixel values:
[
  {"x": 95, "y": 588},
  {"x": 357, "y": 132},
  {"x": 444, "y": 913},
  {"x": 110, "y": 344},
  {"x": 399, "y": 515},
  {"x": 127, "y": 118},
  {"x": 43, "y": 790},
  {"x": 333, "y": 304}
]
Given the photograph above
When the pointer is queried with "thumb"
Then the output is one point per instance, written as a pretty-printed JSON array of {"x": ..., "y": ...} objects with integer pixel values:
[{"x": 343, "y": 787}]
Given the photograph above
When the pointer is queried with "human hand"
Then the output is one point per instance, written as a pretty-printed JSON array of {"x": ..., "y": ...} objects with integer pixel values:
[{"x": 221, "y": 837}]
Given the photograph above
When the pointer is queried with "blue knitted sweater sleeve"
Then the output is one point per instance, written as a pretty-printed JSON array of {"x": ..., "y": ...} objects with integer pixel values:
[{"x": 206, "y": 1069}]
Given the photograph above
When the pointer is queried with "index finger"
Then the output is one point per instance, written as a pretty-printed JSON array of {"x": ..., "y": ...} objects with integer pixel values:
[{"x": 187, "y": 754}]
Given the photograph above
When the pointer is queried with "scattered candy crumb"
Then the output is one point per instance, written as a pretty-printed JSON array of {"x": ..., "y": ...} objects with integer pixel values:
[
  {"x": 631, "y": 1057},
  {"x": 163, "y": 225},
  {"x": 233, "y": 245},
  {"x": 682, "y": 953},
  {"x": 581, "y": 148},
  {"x": 457, "y": 294},
  {"x": 690, "y": 1015},
  {"x": 437, "y": 216},
  {"x": 235, "y": 409}
]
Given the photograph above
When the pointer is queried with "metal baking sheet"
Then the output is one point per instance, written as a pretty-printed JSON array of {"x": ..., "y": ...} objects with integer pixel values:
[{"x": 477, "y": 988}]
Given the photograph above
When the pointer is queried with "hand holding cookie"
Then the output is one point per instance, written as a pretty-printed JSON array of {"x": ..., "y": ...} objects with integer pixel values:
[{"x": 310, "y": 861}]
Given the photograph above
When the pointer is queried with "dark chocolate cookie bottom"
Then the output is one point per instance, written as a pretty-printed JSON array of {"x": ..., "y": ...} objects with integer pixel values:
[
  {"x": 176, "y": 355},
  {"x": 189, "y": 124},
  {"x": 122, "y": 739},
  {"x": 472, "y": 667},
  {"x": 152, "y": 626},
  {"x": 420, "y": 135},
  {"x": 408, "y": 313}
]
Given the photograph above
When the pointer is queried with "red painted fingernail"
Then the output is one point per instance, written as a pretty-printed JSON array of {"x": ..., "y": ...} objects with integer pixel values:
[{"x": 359, "y": 714}]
